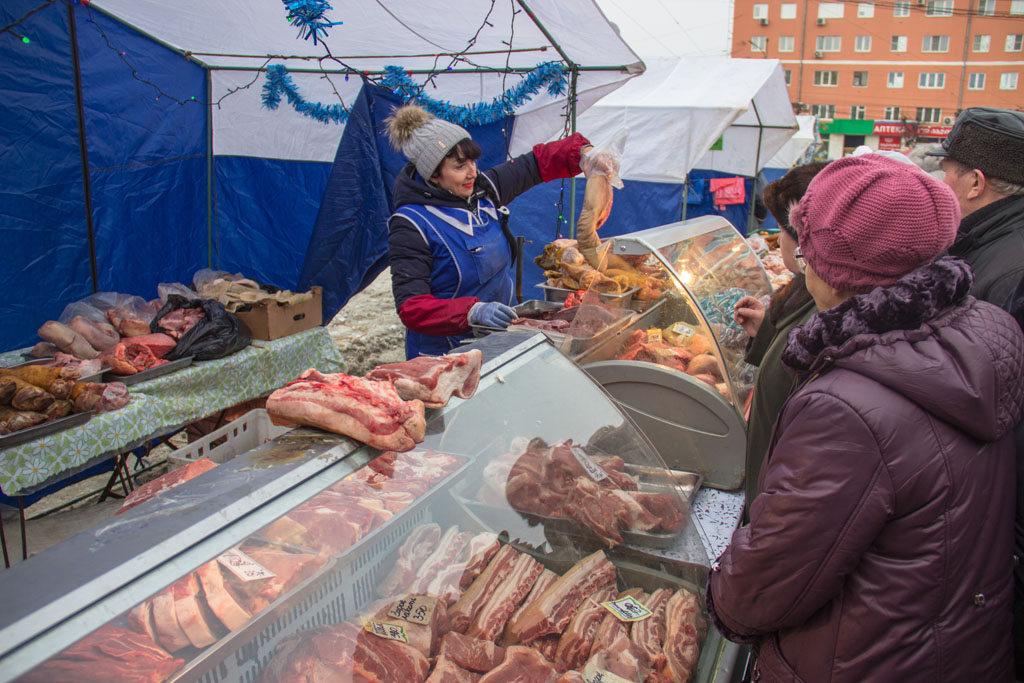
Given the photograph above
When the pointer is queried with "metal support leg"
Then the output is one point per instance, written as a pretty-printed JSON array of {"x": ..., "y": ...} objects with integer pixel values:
[
  {"x": 3, "y": 542},
  {"x": 24, "y": 532}
]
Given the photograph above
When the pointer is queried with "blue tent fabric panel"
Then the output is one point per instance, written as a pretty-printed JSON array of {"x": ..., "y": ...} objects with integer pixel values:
[
  {"x": 349, "y": 242},
  {"x": 45, "y": 260},
  {"x": 734, "y": 213},
  {"x": 769, "y": 175},
  {"x": 265, "y": 210}
]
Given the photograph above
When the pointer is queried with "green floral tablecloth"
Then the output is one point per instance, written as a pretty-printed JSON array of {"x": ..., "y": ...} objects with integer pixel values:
[{"x": 167, "y": 402}]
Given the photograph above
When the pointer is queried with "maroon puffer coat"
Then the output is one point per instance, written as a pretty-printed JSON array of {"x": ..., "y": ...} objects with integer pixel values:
[{"x": 880, "y": 545}]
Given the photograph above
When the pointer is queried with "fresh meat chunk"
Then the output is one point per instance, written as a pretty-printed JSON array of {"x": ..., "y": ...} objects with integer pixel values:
[
  {"x": 166, "y": 482},
  {"x": 465, "y": 610},
  {"x": 44, "y": 350},
  {"x": 52, "y": 379},
  {"x": 371, "y": 412},
  {"x": 543, "y": 582},
  {"x": 452, "y": 580},
  {"x": 447, "y": 671},
  {"x": 290, "y": 570},
  {"x": 109, "y": 653},
  {"x": 99, "y": 396},
  {"x": 433, "y": 380},
  {"x": 140, "y": 620},
  {"x": 191, "y": 618},
  {"x": 684, "y": 630},
  {"x": 471, "y": 653},
  {"x": 126, "y": 322},
  {"x": 67, "y": 340},
  {"x": 493, "y": 615},
  {"x": 158, "y": 344},
  {"x": 14, "y": 420},
  {"x": 598, "y": 508},
  {"x": 578, "y": 637},
  {"x": 421, "y": 542},
  {"x": 165, "y": 621},
  {"x": 522, "y": 665},
  {"x": 127, "y": 358},
  {"x": 667, "y": 508},
  {"x": 611, "y": 650},
  {"x": 648, "y": 636},
  {"x": 448, "y": 550},
  {"x": 23, "y": 395},
  {"x": 551, "y": 612},
  {"x": 219, "y": 598},
  {"x": 424, "y": 637},
  {"x": 101, "y": 336}
]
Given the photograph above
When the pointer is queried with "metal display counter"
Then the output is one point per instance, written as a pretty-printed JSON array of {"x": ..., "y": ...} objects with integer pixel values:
[{"x": 389, "y": 519}]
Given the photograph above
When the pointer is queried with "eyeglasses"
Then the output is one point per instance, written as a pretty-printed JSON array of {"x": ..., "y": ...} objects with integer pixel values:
[{"x": 800, "y": 260}]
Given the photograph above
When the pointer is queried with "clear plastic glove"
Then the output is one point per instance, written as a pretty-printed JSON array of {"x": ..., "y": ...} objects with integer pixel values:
[
  {"x": 749, "y": 314},
  {"x": 491, "y": 314},
  {"x": 605, "y": 159}
]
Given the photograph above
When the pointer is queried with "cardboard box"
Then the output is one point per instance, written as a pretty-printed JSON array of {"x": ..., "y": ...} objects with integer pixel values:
[{"x": 271, "y": 320}]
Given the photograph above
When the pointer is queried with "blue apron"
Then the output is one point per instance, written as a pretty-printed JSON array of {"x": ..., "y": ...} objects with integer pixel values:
[{"x": 471, "y": 257}]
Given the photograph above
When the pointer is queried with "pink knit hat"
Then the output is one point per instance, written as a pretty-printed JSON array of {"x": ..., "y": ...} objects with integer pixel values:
[{"x": 867, "y": 221}]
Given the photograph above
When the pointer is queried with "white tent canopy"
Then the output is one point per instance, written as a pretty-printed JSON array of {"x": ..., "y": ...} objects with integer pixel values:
[
  {"x": 796, "y": 146},
  {"x": 678, "y": 108},
  {"x": 235, "y": 38}
]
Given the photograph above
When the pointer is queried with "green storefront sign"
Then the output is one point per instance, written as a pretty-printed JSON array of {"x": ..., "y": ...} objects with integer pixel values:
[{"x": 847, "y": 127}]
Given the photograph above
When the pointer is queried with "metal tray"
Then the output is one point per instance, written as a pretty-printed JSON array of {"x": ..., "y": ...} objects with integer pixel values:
[
  {"x": 94, "y": 377},
  {"x": 158, "y": 371},
  {"x": 29, "y": 433},
  {"x": 32, "y": 360},
  {"x": 559, "y": 294},
  {"x": 572, "y": 346}
]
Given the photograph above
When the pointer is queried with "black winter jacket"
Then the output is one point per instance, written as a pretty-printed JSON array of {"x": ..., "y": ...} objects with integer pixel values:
[{"x": 991, "y": 240}]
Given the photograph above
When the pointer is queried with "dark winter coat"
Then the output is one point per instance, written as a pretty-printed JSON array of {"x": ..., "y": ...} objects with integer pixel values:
[
  {"x": 792, "y": 306},
  {"x": 880, "y": 542},
  {"x": 991, "y": 240}
]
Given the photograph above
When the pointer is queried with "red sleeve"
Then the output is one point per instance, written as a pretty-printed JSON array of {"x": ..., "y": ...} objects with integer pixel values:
[
  {"x": 427, "y": 314},
  {"x": 561, "y": 158}
]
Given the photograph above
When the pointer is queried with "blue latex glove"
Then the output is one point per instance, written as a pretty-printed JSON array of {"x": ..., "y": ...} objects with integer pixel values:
[{"x": 491, "y": 314}]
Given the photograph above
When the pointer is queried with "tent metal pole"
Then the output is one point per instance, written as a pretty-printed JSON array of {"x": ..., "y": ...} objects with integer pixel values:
[
  {"x": 572, "y": 127},
  {"x": 547, "y": 34},
  {"x": 83, "y": 150},
  {"x": 757, "y": 166},
  {"x": 619, "y": 68},
  {"x": 686, "y": 195},
  {"x": 209, "y": 169},
  {"x": 163, "y": 43},
  {"x": 751, "y": 125}
]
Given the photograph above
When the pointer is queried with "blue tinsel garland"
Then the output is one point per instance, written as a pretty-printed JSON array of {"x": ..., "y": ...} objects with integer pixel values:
[
  {"x": 549, "y": 75},
  {"x": 308, "y": 15}
]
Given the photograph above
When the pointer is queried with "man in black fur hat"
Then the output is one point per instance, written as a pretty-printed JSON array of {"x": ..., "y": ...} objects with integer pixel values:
[{"x": 982, "y": 161}]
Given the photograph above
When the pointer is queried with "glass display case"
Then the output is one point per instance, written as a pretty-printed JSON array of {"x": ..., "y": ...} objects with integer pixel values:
[{"x": 533, "y": 530}]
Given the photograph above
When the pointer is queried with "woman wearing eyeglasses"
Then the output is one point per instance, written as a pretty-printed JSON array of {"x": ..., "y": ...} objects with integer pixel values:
[
  {"x": 880, "y": 543},
  {"x": 792, "y": 305}
]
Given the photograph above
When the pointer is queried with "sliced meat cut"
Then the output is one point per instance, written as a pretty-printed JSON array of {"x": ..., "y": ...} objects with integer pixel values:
[
  {"x": 451, "y": 581},
  {"x": 465, "y": 610},
  {"x": 552, "y": 610},
  {"x": 576, "y": 641},
  {"x": 612, "y": 650},
  {"x": 546, "y": 578},
  {"x": 219, "y": 598},
  {"x": 140, "y": 619},
  {"x": 165, "y": 621},
  {"x": 191, "y": 618},
  {"x": 165, "y": 482},
  {"x": 447, "y": 671},
  {"x": 648, "y": 636},
  {"x": 684, "y": 630},
  {"x": 490, "y": 620},
  {"x": 420, "y": 543},
  {"x": 471, "y": 653},
  {"x": 367, "y": 411},
  {"x": 433, "y": 380},
  {"x": 522, "y": 665},
  {"x": 158, "y": 344},
  {"x": 447, "y": 552},
  {"x": 290, "y": 569}
]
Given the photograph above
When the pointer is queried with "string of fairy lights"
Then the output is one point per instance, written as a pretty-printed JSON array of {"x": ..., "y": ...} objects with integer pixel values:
[{"x": 310, "y": 19}]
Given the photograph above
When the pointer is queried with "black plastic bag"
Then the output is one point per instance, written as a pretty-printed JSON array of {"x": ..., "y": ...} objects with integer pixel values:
[{"x": 218, "y": 334}]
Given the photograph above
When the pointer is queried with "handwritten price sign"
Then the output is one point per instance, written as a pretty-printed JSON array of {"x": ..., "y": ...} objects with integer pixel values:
[
  {"x": 243, "y": 566},
  {"x": 593, "y": 470},
  {"x": 593, "y": 674},
  {"x": 627, "y": 609},
  {"x": 387, "y": 630},
  {"x": 417, "y": 609}
]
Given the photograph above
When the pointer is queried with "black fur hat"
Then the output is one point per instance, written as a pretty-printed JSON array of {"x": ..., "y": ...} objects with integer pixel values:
[{"x": 988, "y": 139}]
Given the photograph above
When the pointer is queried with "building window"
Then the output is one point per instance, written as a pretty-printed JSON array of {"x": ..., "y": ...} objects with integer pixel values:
[
  {"x": 986, "y": 7},
  {"x": 895, "y": 79},
  {"x": 1017, "y": 7},
  {"x": 788, "y": 10},
  {"x": 785, "y": 43},
  {"x": 862, "y": 44},
  {"x": 892, "y": 113},
  {"x": 828, "y": 43},
  {"x": 982, "y": 42},
  {"x": 976, "y": 81},
  {"x": 826, "y": 78},
  {"x": 865, "y": 10},
  {"x": 830, "y": 10},
  {"x": 857, "y": 112},
  {"x": 901, "y": 9},
  {"x": 761, "y": 11},
  {"x": 939, "y": 8},
  {"x": 758, "y": 43},
  {"x": 823, "y": 111},
  {"x": 860, "y": 79},
  {"x": 931, "y": 80},
  {"x": 1014, "y": 41},
  {"x": 929, "y": 114},
  {"x": 935, "y": 44},
  {"x": 789, "y": 76},
  {"x": 898, "y": 44},
  {"x": 1008, "y": 81}
]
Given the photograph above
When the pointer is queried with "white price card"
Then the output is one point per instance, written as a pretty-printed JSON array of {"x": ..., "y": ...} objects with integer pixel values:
[
  {"x": 593, "y": 470},
  {"x": 387, "y": 630},
  {"x": 592, "y": 673},
  {"x": 243, "y": 566},
  {"x": 417, "y": 609},
  {"x": 627, "y": 609}
]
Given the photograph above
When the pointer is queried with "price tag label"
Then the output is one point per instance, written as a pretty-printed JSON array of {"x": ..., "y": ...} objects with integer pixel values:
[
  {"x": 592, "y": 673},
  {"x": 387, "y": 630},
  {"x": 627, "y": 609},
  {"x": 593, "y": 470},
  {"x": 417, "y": 609},
  {"x": 654, "y": 336},
  {"x": 243, "y": 566}
]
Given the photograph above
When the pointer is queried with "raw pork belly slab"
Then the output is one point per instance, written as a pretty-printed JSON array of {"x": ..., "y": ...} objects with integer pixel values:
[
  {"x": 493, "y": 615},
  {"x": 578, "y": 638},
  {"x": 471, "y": 653},
  {"x": 684, "y": 629},
  {"x": 367, "y": 411},
  {"x": 465, "y": 610},
  {"x": 433, "y": 380},
  {"x": 447, "y": 671},
  {"x": 648, "y": 636},
  {"x": 522, "y": 665},
  {"x": 421, "y": 542},
  {"x": 543, "y": 582}
]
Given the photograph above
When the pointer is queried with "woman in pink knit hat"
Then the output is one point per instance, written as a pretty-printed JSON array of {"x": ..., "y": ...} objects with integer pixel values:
[{"x": 880, "y": 543}]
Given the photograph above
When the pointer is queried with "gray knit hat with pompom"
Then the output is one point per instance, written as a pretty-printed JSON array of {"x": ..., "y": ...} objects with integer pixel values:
[{"x": 424, "y": 139}]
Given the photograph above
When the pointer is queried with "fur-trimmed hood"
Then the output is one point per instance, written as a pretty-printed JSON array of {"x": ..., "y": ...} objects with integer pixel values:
[{"x": 927, "y": 339}]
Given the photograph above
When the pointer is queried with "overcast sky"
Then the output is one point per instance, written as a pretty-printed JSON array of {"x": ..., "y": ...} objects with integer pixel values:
[{"x": 666, "y": 28}]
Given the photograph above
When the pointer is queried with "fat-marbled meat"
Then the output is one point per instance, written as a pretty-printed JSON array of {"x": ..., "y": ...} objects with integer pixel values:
[
  {"x": 492, "y": 616},
  {"x": 421, "y": 542},
  {"x": 648, "y": 635},
  {"x": 578, "y": 638},
  {"x": 433, "y": 380},
  {"x": 471, "y": 653},
  {"x": 522, "y": 665},
  {"x": 684, "y": 629},
  {"x": 447, "y": 671},
  {"x": 367, "y": 411},
  {"x": 465, "y": 610}
]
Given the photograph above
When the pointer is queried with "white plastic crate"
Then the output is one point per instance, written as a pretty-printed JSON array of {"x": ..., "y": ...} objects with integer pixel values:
[{"x": 253, "y": 429}]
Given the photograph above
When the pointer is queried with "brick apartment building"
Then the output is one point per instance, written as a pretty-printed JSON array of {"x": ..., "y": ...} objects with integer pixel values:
[{"x": 891, "y": 72}]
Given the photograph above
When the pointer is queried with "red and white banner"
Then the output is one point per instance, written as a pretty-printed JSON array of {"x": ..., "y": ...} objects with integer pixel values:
[
  {"x": 931, "y": 130},
  {"x": 882, "y": 128},
  {"x": 889, "y": 142}
]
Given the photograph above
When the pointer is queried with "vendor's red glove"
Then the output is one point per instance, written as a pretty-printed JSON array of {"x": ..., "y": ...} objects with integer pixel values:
[{"x": 561, "y": 158}]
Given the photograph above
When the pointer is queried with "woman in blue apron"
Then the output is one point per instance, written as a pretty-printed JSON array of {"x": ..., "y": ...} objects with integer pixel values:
[{"x": 451, "y": 251}]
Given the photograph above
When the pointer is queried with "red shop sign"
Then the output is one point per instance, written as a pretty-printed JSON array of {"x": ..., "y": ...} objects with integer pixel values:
[
  {"x": 888, "y": 128},
  {"x": 933, "y": 131},
  {"x": 889, "y": 142}
]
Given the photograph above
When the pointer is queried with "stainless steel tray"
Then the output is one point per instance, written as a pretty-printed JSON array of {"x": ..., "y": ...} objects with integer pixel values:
[
  {"x": 559, "y": 294},
  {"x": 152, "y": 373},
  {"x": 57, "y": 425}
]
